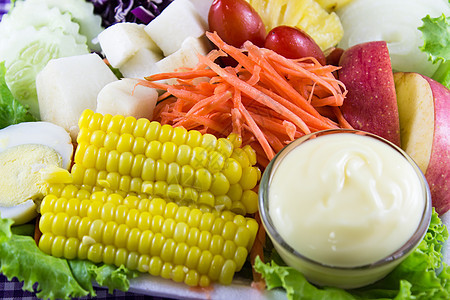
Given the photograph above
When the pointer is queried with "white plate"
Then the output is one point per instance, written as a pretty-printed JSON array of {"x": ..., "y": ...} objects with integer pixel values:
[{"x": 239, "y": 289}]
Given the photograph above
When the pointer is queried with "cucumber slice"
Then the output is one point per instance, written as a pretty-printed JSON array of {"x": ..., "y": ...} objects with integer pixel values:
[
  {"x": 27, "y": 14},
  {"x": 26, "y": 53},
  {"x": 82, "y": 12}
]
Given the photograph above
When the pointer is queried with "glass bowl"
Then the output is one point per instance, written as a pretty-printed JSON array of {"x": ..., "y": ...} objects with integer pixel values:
[{"x": 326, "y": 273}]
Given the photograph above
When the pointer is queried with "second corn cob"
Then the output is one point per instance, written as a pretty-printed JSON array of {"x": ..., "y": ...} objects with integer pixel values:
[{"x": 155, "y": 236}]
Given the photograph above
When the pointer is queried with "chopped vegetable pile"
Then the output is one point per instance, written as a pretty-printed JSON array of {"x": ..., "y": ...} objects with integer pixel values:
[
  {"x": 164, "y": 178},
  {"x": 267, "y": 108}
]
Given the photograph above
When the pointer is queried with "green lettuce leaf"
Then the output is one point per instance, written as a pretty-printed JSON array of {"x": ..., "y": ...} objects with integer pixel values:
[
  {"x": 436, "y": 35},
  {"x": 422, "y": 275},
  {"x": 11, "y": 110},
  {"x": 56, "y": 278}
]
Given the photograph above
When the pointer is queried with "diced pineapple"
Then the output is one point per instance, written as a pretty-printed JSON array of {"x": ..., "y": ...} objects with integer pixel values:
[
  {"x": 333, "y": 5},
  {"x": 325, "y": 28}
]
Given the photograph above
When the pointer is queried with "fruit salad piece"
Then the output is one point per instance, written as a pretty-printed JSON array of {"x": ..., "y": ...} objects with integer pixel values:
[{"x": 325, "y": 28}]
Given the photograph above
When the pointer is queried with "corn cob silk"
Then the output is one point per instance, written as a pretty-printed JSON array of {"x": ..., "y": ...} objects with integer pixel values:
[{"x": 155, "y": 198}]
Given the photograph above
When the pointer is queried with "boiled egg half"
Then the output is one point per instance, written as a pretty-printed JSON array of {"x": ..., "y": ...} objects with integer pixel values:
[{"x": 29, "y": 152}]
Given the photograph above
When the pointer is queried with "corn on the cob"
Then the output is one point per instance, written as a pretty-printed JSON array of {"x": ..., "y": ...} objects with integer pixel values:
[
  {"x": 155, "y": 236},
  {"x": 150, "y": 159}
]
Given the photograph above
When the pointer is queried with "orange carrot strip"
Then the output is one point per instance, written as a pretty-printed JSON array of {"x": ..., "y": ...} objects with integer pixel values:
[
  {"x": 342, "y": 121},
  {"x": 255, "y": 94},
  {"x": 319, "y": 123},
  {"x": 278, "y": 80},
  {"x": 181, "y": 75},
  {"x": 234, "y": 52},
  {"x": 330, "y": 100},
  {"x": 210, "y": 101},
  {"x": 290, "y": 129},
  {"x": 257, "y": 132},
  {"x": 294, "y": 69}
]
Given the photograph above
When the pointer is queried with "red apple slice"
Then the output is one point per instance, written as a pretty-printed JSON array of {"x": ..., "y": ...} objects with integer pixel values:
[
  {"x": 371, "y": 103},
  {"x": 424, "y": 110}
]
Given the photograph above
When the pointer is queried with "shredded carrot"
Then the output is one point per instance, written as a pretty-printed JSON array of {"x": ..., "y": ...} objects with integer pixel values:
[{"x": 267, "y": 99}]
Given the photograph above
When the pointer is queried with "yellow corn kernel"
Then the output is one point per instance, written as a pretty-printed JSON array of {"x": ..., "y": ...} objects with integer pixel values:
[
  {"x": 216, "y": 266},
  {"x": 157, "y": 244},
  {"x": 183, "y": 155},
  {"x": 249, "y": 178},
  {"x": 145, "y": 241},
  {"x": 115, "y": 124},
  {"x": 143, "y": 264},
  {"x": 194, "y": 138},
  {"x": 235, "y": 139},
  {"x": 179, "y": 136},
  {"x": 169, "y": 152},
  {"x": 216, "y": 162},
  {"x": 232, "y": 170},
  {"x": 140, "y": 128},
  {"x": 202, "y": 180},
  {"x": 166, "y": 270},
  {"x": 58, "y": 246},
  {"x": 209, "y": 142},
  {"x": 133, "y": 261},
  {"x": 46, "y": 242},
  {"x": 193, "y": 236},
  {"x": 192, "y": 278},
  {"x": 153, "y": 131},
  {"x": 105, "y": 122},
  {"x": 110, "y": 142},
  {"x": 250, "y": 201},
  {"x": 168, "y": 250},
  {"x": 165, "y": 135},
  {"x": 128, "y": 125},
  {"x": 227, "y": 272},
  {"x": 199, "y": 158},
  {"x": 224, "y": 147},
  {"x": 121, "y": 257},
  {"x": 95, "y": 121},
  {"x": 95, "y": 253},
  {"x": 179, "y": 273},
  {"x": 241, "y": 157},
  {"x": 71, "y": 248},
  {"x": 85, "y": 118}
]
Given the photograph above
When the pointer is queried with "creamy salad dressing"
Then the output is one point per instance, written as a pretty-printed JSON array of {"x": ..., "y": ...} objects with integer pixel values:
[{"x": 345, "y": 200}]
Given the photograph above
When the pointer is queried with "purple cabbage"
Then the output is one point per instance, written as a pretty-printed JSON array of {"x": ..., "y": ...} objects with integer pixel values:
[{"x": 137, "y": 11}]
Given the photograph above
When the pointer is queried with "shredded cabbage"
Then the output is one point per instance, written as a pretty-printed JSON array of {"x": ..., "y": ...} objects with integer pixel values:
[{"x": 118, "y": 11}]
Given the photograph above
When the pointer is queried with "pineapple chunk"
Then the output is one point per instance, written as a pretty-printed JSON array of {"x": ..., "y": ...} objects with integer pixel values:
[
  {"x": 333, "y": 5},
  {"x": 325, "y": 28}
]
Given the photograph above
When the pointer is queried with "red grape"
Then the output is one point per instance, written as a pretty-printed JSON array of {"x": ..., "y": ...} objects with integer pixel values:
[
  {"x": 235, "y": 21},
  {"x": 292, "y": 42}
]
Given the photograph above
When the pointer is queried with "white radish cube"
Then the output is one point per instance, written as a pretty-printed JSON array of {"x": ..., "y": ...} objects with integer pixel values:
[
  {"x": 186, "y": 56},
  {"x": 122, "y": 41},
  {"x": 69, "y": 85},
  {"x": 125, "y": 97},
  {"x": 177, "y": 21},
  {"x": 142, "y": 64},
  {"x": 202, "y": 7}
]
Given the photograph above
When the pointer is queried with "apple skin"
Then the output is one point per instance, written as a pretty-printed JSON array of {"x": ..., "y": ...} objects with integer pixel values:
[
  {"x": 371, "y": 103},
  {"x": 425, "y": 131},
  {"x": 438, "y": 171}
]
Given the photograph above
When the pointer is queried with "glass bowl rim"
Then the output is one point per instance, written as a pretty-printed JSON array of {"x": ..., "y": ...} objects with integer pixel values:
[{"x": 402, "y": 252}]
